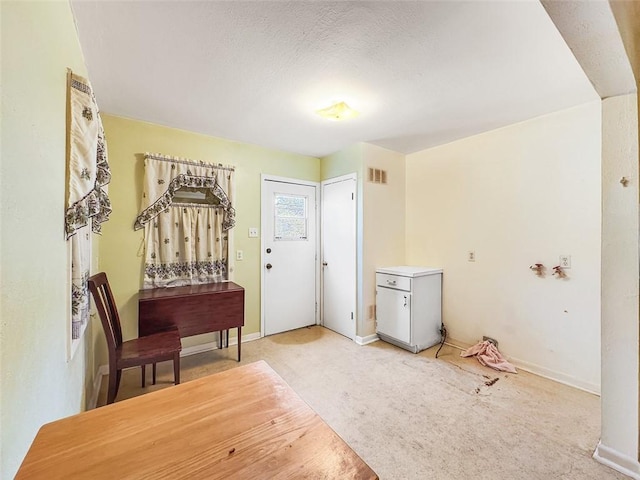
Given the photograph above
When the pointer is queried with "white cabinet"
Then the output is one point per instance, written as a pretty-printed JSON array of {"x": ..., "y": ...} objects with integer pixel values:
[
  {"x": 409, "y": 306},
  {"x": 394, "y": 313}
]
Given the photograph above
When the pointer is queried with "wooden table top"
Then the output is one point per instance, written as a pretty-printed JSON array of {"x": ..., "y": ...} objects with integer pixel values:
[
  {"x": 244, "y": 423},
  {"x": 187, "y": 290}
]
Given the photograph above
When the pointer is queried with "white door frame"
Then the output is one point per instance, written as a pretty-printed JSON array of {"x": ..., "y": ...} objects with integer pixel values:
[
  {"x": 263, "y": 219},
  {"x": 341, "y": 178}
]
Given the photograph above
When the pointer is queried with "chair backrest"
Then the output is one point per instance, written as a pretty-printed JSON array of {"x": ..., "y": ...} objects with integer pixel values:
[{"x": 106, "y": 306}]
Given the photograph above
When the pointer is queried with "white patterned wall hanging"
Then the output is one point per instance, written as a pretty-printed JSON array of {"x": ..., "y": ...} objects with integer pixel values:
[{"x": 88, "y": 204}]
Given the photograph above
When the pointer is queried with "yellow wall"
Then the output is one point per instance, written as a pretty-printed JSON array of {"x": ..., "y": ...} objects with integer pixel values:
[
  {"x": 121, "y": 253},
  {"x": 38, "y": 384},
  {"x": 347, "y": 160}
]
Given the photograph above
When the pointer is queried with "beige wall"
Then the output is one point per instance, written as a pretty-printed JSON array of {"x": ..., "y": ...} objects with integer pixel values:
[
  {"x": 38, "y": 383},
  {"x": 121, "y": 253},
  {"x": 519, "y": 195},
  {"x": 384, "y": 224},
  {"x": 620, "y": 335}
]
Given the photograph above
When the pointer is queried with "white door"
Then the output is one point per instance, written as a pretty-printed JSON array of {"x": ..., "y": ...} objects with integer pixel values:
[
  {"x": 289, "y": 255},
  {"x": 339, "y": 255}
]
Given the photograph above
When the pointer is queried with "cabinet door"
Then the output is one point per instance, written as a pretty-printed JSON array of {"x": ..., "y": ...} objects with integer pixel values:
[{"x": 393, "y": 312}]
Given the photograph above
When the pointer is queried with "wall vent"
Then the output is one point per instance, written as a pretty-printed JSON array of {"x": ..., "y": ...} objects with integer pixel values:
[{"x": 376, "y": 175}]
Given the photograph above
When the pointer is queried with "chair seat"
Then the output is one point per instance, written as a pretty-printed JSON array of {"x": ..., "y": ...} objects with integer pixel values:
[{"x": 150, "y": 349}]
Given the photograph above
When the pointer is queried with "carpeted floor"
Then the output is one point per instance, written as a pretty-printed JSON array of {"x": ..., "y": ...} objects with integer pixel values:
[{"x": 416, "y": 417}]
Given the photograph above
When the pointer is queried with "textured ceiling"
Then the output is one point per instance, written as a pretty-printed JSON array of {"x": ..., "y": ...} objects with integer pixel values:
[
  {"x": 590, "y": 30},
  {"x": 420, "y": 73}
]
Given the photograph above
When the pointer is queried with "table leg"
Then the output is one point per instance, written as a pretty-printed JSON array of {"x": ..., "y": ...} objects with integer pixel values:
[{"x": 239, "y": 341}]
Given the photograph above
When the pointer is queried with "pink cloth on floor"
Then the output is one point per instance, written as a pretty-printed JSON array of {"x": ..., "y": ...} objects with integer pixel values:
[{"x": 489, "y": 356}]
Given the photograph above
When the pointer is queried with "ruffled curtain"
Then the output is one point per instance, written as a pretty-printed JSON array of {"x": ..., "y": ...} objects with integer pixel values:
[
  {"x": 185, "y": 243},
  {"x": 88, "y": 205}
]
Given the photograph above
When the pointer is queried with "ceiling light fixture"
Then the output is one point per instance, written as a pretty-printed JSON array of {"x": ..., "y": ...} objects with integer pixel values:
[{"x": 338, "y": 111}]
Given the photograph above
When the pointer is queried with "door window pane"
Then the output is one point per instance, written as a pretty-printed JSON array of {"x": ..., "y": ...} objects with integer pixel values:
[{"x": 290, "y": 217}]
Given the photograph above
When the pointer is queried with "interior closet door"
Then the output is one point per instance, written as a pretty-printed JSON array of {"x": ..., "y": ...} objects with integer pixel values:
[{"x": 339, "y": 255}]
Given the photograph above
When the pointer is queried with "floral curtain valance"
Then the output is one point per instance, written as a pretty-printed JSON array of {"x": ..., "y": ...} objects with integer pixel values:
[
  {"x": 164, "y": 175},
  {"x": 87, "y": 204},
  {"x": 87, "y": 160},
  {"x": 185, "y": 243}
]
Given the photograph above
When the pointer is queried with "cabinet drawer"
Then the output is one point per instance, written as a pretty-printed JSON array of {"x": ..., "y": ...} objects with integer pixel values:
[{"x": 393, "y": 281}]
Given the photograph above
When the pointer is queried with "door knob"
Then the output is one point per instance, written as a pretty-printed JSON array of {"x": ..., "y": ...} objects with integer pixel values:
[
  {"x": 268, "y": 250},
  {"x": 324, "y": 264},
  {"x": 269, "y": 266}
]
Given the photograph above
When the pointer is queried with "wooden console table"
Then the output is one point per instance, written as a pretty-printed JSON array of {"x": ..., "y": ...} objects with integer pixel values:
[
  {"x": 244, "y": 423},
  {"x": 194, "y": 309}
]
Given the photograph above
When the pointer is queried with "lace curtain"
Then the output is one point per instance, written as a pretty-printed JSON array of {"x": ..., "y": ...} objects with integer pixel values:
[
  {"x": 88, "y": 205},
  {"x": 185, "y": 243}
]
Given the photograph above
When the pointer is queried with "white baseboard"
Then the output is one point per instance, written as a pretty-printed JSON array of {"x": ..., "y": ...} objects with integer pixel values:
[
  {"x": 97, "y": 382},
  {"x": 455, "y": 346},
  {"x": 366, "y": 340},
  {"x": 556, "y": 376},
  {"x": 541, "y": 371},
  {"x": 618, "y": 461}
]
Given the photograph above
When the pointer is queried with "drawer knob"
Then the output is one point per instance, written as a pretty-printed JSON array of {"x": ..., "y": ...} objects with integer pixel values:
[{"x": 391, "y": 282}]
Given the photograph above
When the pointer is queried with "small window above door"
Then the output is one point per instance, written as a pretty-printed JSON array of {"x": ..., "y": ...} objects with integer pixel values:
[{"x": 290, "y": 217}]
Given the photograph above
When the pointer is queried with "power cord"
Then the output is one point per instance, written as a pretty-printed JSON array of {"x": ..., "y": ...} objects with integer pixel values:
[{"x": 443, "y": 332}]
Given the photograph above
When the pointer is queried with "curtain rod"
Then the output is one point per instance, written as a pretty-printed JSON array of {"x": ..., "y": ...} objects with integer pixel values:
[{"x": 186, "y": 161}]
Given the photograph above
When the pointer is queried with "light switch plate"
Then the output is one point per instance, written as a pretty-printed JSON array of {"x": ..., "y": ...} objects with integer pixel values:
[
  {"x": 253, "y": 232},
  {"x": 239, "y": 255}
]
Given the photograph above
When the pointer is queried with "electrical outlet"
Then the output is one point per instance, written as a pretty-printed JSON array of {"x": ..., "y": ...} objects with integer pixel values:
[
  {"x": 239, "y": 255},
  {"x": 471, "y": 256},
  {"x": 490, "y": 340},
  {"x": 253, "y": 232},
  {"x": 565, "y": 261}
]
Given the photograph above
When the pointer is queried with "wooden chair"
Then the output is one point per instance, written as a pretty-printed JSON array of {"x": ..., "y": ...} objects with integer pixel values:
[{"x": 141, "y": 351}]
